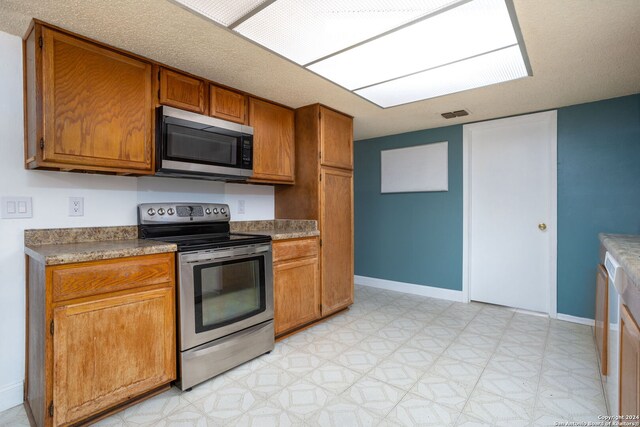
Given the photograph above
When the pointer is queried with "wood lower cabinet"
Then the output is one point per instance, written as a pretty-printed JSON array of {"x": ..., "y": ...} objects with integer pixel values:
[
  {"x": 227, "y": 104},
  {"x": 100, "y": 335},
  {"x": 324, "y": 193},
  {"x": 601, "y": 327},
  {"x": 297, "y": 293},
  {"x": 629, "y": 385},
  {"x": 181, "y": 91},
  {"x": 87, "y": 107},
  {"x": 273, "y": 142}
]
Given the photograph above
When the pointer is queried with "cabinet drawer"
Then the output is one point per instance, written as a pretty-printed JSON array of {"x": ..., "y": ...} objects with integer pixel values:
[
  {"x": 297, "y": 248},
  {"x": 99, "y": 277}
]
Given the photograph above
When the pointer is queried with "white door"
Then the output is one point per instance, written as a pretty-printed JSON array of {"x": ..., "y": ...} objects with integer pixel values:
[{"x": 510, "y": 211}]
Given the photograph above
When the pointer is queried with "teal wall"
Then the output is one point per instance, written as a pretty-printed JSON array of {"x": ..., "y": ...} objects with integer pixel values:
[
  {"x": 598, "y": 191},
  {"x": 408, "y": 237},
  {"x": 417, "y": 237}
]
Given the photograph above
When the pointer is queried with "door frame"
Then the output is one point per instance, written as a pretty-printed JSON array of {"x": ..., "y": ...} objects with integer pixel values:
[{"x": 551, "y": 117}]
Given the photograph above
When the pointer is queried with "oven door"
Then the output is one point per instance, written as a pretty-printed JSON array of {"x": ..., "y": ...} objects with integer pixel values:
[{"x": 223, "y": 291}]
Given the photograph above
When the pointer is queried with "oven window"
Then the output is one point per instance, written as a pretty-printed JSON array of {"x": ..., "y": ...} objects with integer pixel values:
[
  {"x": 183, "y": 143},
  {"x": 228, "y": 291}
]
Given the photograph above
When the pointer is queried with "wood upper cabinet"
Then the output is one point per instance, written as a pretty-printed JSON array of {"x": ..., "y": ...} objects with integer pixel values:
[
  {"x": 601, "y": 329},
  {"x": 100, "y": 334},
  {"x": 336, "y": 228},
  {"x": 227, "y": 104},
  {"x": 273, "y": 142},
  {"x": 91, "y": 107},
  {"x": 87, "y": 107},
  {"x": 336, "y": 137},
  {"x": 182, "y": 91},
  {"x": 296, "y": 283},
  {"x": 629, "y": 385}
]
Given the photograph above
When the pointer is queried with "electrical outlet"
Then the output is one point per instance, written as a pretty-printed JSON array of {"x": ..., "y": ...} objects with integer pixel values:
[
  {"x": 17, "y": 207},
  {"x": 240, "y": 206},
  {"x": 76, "y": 206}
]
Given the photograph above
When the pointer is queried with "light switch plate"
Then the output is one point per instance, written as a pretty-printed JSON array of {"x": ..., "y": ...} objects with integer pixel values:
[
  {"x": 76, "y": 206},
  {"x": 16, "y": 207}
]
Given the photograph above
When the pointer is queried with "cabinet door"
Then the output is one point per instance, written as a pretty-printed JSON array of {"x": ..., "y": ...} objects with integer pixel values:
[
  {"x": 629, "y": 363},
  {"x": 601, "y": 329},
  {"x": 182, "y": 91},
  {"x": 98, "y": 111},
  {"x": 336, "y": 231},
  {"x": 296, "y": 293},
  {"x": 273, "y": 141},
  {"x": 109, "y": 350},
  {"x": 227, "y": 104},
  {"x": 336, "y": 139}
]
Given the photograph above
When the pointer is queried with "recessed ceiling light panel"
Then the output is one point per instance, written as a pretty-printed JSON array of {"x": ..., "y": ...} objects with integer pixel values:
[
  {"x": 495, "y": 67},
  {"x": 222, "y": 12},
  {"x": 465, "y": 31},
  {"x": 390, "y": 52},
  {"x": 307, "y": 30}
]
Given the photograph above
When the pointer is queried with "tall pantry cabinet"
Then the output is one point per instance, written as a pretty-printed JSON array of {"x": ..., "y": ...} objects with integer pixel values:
[{"x": 324, "y": 192}]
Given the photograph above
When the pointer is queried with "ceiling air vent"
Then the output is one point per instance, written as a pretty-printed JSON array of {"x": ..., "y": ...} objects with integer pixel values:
[{"x": 452, "y": 114}]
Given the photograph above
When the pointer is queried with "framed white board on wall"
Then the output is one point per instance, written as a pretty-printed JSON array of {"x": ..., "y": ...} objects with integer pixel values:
[{"x": 415, "y": 169}]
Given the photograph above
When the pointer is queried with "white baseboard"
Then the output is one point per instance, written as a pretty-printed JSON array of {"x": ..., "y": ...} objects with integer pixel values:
[
  {"x": 574, "y": 319},
  {"x": 409, "y": 288},
  {"x": 10, "y": 396}
]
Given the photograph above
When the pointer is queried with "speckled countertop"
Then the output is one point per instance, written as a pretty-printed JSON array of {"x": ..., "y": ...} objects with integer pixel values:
[
  {"x": 626, "y": 250},
  {"x": 68, "y": 245},
  {"x": 278, "y": 229}
]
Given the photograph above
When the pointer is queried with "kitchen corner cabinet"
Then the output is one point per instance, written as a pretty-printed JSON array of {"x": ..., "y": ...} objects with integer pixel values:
[
  {"x": 181, "y": 91},
  {"x": 629, "y": 386},
  {"x": 100, "y": 336},
  {"x": 87, "y": 107},
  {"x": 601, "y": 328},
  {"x": 324, "y": 192},
  {"x": 296, "y": 282},
  {"x": 273, "y": 142}
]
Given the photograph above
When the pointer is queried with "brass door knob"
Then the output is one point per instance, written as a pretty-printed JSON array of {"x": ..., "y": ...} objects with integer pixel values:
[{"x": 542, "y": 226}]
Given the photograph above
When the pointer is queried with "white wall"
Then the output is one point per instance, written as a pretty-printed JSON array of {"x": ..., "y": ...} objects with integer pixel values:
[{"x": 108, "y": 200}]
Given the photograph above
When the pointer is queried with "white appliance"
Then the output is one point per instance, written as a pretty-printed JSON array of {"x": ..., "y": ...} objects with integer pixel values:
[{"x": 610, "y": 381}]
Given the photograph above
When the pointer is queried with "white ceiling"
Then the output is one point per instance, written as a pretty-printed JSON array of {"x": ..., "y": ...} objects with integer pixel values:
[{"x": 580, "y": 51}]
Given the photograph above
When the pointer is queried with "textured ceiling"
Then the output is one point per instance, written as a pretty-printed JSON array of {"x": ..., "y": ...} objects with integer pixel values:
[{"x": 580, "y": 51}]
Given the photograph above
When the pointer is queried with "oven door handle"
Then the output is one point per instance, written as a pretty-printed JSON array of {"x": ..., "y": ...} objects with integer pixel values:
[
  {"x": 222, "y": 343},
  {"x": 215, "y": 255}
]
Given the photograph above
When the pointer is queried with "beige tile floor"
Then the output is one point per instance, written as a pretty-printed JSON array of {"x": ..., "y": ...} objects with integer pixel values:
[{"x": 395, "y": 359}]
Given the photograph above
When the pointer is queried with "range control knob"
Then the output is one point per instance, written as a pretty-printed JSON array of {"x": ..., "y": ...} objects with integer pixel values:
[
  {"x": 207, "y": 211},
  {"x": 171, "y": 211},
  {"x": 215, "y": 211},
  {"x": 223, "y": 211},
  {"x": 160, "y": 211},
  {"x": 151, "y": 212}
]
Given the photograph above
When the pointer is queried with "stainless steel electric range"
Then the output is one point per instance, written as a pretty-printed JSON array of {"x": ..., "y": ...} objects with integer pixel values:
[{"x": 225, "y": 287}]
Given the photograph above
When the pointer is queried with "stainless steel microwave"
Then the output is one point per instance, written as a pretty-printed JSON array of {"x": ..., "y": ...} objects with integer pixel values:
[{"x": 195, "y": 146}]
